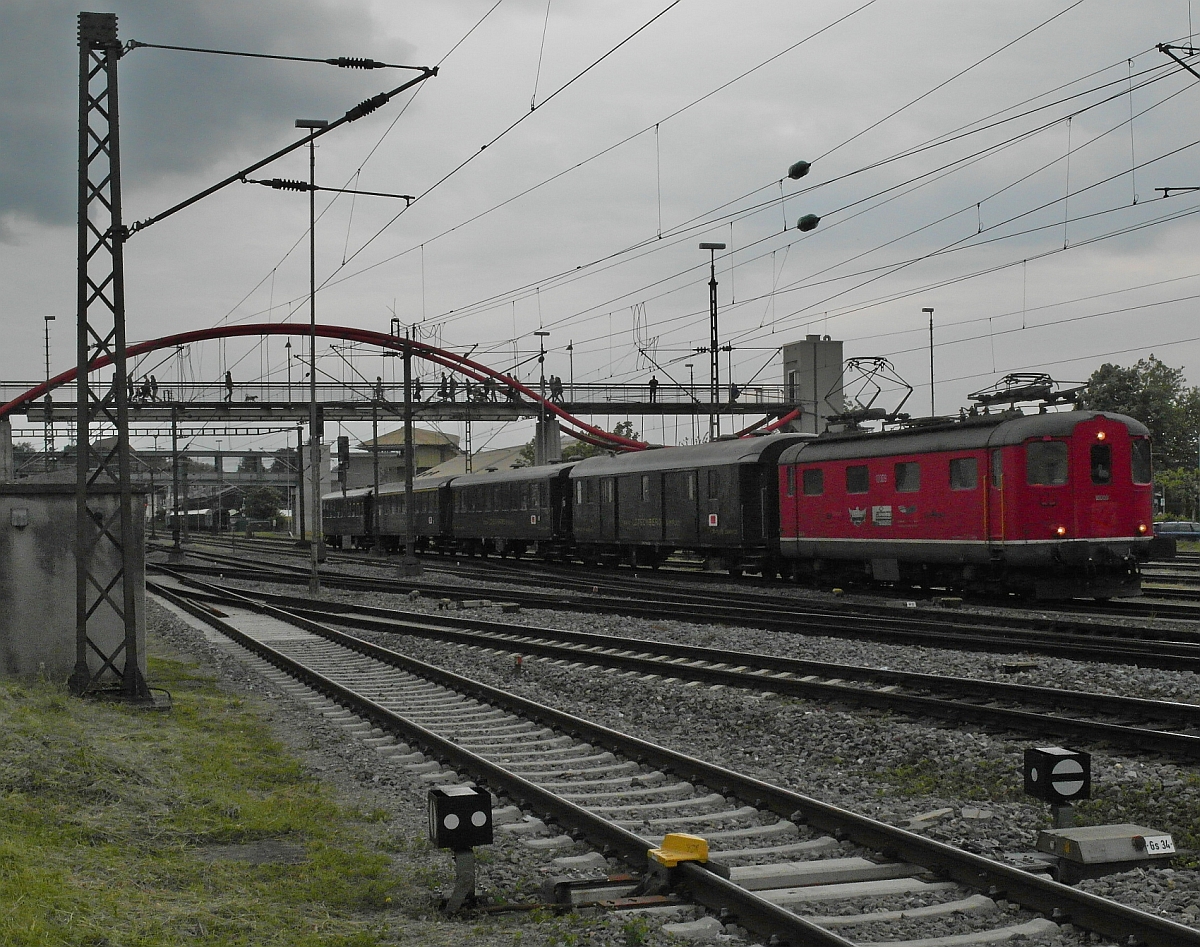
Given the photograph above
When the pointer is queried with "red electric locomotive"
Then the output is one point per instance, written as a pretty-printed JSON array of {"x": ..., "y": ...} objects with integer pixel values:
[{"x": 1057, "y": 505}]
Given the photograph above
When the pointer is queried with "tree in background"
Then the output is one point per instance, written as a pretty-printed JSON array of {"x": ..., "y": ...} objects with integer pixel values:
[
  {"x": 261, "y": 503},
  {"x": 1156, "y": 395}
]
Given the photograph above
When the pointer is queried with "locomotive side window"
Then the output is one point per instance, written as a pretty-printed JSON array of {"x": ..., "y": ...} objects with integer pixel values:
[
  {"x": 1046, "y": 463},
  {"x": 857, "y": 479},
  {"x": 908, "y": 477},
  {"x": 791, "y": 481},
  {"x": 964, "y": 473},
  {"x": 814, "y": 481},
  {"x": 1141, "y": 460},
  {"x": 1101, "y": 463},
  {"x": 997, "y": 460}
]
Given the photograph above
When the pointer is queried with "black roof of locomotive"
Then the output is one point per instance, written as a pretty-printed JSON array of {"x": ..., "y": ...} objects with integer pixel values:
[
  {"x": 739, "y": 450},
  {"x": 973, "y": 433}
]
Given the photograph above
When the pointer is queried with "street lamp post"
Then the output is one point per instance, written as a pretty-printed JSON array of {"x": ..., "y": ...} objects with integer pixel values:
[
  {"x": 48, "y": 428},
  {"x": 932, "y": 410},
  {"x": 288, "y": 345},
  {"x": 571, "y": 374},
  {"x": 714, "y": 380},
  {"x": 314, "y": 434},
  {"x": 540, "y": 437}
]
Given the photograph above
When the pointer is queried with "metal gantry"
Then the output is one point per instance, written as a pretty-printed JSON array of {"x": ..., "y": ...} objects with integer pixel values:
[{"x": 107, "y": 544}]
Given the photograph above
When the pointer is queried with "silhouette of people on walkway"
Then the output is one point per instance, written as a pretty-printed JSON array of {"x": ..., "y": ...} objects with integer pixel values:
[
  {"x": 653, "y": 389},
  {"x": 229, "y": 386},
  {"x": 556, "y": 389}
]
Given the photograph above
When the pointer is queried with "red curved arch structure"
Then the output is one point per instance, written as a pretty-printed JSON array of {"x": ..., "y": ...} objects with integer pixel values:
[{"x": 578, "y": 429}]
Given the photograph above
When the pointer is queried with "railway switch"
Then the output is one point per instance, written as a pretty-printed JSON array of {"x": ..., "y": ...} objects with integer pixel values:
[{"x": 460, "y": 817}]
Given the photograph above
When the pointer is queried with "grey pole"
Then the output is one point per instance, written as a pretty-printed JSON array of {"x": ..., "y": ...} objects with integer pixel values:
[
  {"x": 48, "y": 428},
  {"x": 314, "y": 432},
  {"x": 410, "y": 565},
  {"x": 175, "y": 478},
  {"x": 932, "y": 410},
  {"x": 714, "y": 377},
  {"x": 300, "y": 524}
]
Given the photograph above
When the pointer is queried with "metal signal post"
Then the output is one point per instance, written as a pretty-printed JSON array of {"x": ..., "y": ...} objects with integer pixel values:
[
  {"x": 107, "y": 540},
  {"x": 714, "y": 380}
]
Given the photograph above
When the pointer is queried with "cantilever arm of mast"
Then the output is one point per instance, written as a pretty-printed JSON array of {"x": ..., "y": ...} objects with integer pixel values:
[{"x": 363, "y": 108}]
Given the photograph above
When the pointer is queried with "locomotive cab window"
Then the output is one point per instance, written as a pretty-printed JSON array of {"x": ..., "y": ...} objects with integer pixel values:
[
  {"x": 1101, "y": 462},
  {"x": 791, "y": 481},
  {"x": 908, "y": 477},
  {"x": 1141, "y": 460},
  {"x": 857, "y": 480},
  {"x": 1046, "y": 463},
  {"x": 964, "y": 473},
  {"x": 814, "y": 481}
]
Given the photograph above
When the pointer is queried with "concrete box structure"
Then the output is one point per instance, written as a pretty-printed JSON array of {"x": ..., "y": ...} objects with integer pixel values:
[
  {"x": 37, "y": 580},
  {"x": 812, "y": 377}
]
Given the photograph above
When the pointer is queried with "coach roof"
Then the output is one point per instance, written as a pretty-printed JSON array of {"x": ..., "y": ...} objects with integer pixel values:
[{"x": 739, "y": 450}]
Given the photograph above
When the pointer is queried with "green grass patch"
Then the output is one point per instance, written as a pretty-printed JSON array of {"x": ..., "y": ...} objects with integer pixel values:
[
  {"x": 993, "y": 780},
  {"x": 109, "y": 819}
]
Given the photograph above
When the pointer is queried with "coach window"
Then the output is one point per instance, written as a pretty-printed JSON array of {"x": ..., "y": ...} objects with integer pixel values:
[
  {"x": 791, "y": 481},
  {"x": 1046, "y": 463},
  {"x": 714, "y": 484},
  {"x": 857, "y": 479},
  {"x": 964, "y": 473},
  {"x": 1101, "y": 463},
  {"x": 578, "y": 492},
  {"x": 908, "y": 477},
  {"x": 1141, "y": 460},
  {"x": 813, "y": 481},
  {"x": 606, "y": 488},
  {"x": 691, "y": 485}
]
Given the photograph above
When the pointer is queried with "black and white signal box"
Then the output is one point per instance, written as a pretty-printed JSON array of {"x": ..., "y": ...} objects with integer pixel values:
[
  {"x": 1057, "y": 775},
  {"x": 460, "y": 817}
]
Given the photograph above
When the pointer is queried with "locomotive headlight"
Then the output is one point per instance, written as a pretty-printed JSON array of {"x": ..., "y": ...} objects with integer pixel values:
[
  {"x": 1061, "y": 531},
  {"x": 1100, "y": 435},
  {"x": 1142, "y": 527}
]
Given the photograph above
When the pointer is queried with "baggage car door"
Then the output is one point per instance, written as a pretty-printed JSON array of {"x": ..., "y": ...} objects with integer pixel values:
[
  {"x": 608, "y": 509},
  {"x": 681, "y": 506}
]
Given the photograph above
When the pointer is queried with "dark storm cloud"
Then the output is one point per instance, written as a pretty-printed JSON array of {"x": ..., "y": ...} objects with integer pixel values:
[{"x": 180, "y": 112}]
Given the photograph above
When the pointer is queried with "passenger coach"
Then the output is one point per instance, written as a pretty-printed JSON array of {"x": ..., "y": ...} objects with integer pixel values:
[
  {"x": 716, "y": 500},
  {"x": 1053, "y": 504}
]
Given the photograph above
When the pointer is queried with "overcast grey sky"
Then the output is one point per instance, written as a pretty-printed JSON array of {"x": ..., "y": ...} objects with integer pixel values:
[{"x": 975, "y": 226}]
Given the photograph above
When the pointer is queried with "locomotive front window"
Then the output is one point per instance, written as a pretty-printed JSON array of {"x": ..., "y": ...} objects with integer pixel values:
[
  {"x": 1101, "y": 463},
  {"x": 964, "y": 473},
  {"x": 814, "y": 482},
  {"x": 1046, "y": 463},
  {"x": 908, "y": 477},
  {"x": 857, "y": 479},
  {"x": 1141, "y": 460}
]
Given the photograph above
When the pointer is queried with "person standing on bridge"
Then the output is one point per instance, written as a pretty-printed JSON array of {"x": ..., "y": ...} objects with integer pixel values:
[
  {"x": 229, "y": 386},
  {"x": 653, "y": 389},
  {"x": 453, "y": 387},
  {"x": 153, "y": 388}
]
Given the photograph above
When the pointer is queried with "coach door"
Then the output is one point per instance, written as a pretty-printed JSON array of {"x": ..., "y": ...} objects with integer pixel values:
[
  {"x": 995, "y": 496},
  {"x": 681, "y": 507},
  {"x": 608, "y": 509}
]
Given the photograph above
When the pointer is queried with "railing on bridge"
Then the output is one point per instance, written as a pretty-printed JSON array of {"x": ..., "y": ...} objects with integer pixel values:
[{"x": 392, "y": 392}]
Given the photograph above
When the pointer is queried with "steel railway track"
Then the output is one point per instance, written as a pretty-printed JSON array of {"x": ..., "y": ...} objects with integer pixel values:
[
  {"x": 1155, "y": 726},
  {"x": 1177, "y": 649},
  {"x": 621, "y": 793}
]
